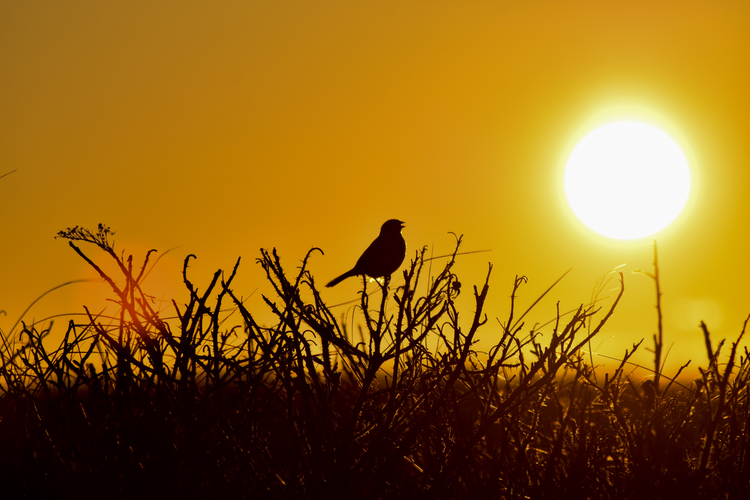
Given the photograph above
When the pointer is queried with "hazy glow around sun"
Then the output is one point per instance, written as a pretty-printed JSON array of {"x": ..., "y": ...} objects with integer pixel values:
[{"x": 627, "y": 180}]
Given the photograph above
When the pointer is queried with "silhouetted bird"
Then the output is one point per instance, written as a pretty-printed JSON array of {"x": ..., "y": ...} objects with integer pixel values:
[{"x": 382, "y": 257}]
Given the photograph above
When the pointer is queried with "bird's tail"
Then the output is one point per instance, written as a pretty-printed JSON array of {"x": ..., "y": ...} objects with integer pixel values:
[{"x": 341, "y": 278}]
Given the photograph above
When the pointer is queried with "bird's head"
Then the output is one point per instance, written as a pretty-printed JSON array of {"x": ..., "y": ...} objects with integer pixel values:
[{"x": 392, "y": 226}]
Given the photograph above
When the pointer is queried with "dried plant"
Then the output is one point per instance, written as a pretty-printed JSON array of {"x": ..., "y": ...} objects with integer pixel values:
[{"x": 399, "y": 405}]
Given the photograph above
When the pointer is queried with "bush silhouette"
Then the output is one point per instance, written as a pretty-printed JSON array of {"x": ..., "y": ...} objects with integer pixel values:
[{"x": 139, "y": 405}]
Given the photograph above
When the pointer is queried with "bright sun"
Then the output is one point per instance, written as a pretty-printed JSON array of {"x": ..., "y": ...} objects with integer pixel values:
[{"x": 627, "y": 180}]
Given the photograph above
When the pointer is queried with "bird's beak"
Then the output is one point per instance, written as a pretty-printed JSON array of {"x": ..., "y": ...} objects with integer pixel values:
[{"x": 403, "y": 225}]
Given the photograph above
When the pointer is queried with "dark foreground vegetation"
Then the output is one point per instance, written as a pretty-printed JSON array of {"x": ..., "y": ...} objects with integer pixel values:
[{"x": 394, "y": 402}]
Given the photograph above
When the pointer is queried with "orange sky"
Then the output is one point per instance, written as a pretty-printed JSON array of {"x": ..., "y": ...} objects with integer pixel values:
[{"x": 222, "y": 128}]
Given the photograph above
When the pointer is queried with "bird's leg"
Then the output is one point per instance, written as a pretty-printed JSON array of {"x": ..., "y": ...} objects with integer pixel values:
[{"x": 385, "y": 283}]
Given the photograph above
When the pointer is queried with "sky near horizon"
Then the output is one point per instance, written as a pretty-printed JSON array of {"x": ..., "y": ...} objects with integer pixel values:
[{"x": 219, "y": 129}]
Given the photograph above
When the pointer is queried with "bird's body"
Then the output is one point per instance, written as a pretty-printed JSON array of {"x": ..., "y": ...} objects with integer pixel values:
[{"x": 382, "y": 257}]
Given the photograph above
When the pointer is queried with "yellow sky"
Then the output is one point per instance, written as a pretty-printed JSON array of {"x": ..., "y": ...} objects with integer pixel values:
[{"x": 224, "y": 127}]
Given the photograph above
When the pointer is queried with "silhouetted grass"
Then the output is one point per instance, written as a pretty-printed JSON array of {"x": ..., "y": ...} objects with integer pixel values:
[{"x": 140, "y": 406}]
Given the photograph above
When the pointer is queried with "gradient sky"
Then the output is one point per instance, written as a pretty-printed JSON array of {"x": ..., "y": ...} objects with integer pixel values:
[{"x": 220, "y": 128}]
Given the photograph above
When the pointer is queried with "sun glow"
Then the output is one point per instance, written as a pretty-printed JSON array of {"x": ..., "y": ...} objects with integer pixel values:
[{"x": 627, "y": 180}]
